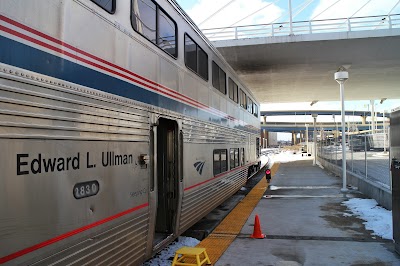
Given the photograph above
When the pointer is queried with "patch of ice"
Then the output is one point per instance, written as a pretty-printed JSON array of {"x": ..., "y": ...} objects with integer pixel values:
[{"x": 377, "y": 219}]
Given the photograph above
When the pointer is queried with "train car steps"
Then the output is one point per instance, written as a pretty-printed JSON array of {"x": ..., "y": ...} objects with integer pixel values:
[{"x": 192, "y": 253}]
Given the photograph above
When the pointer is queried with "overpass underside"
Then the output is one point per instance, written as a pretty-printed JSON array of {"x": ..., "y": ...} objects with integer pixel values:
[{"x": 300, "y": 68}]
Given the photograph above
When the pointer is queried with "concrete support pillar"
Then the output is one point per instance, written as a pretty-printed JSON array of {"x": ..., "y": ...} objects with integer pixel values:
[
  {"x": 293, "y": 138},
  {"x": 363, "y": 120},
  {"x": 266, "y": 136},
  {"x": 372, "y": 102}
]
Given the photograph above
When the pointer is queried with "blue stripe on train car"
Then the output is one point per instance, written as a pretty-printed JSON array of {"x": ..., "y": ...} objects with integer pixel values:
[{"x": 24, "y": 56}]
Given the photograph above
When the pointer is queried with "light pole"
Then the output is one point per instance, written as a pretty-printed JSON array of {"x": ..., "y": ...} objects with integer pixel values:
[
  {"x": 307, "y": 138},
  {"x": 315, "y": 139},
  {"x": 341, "y": 76}
]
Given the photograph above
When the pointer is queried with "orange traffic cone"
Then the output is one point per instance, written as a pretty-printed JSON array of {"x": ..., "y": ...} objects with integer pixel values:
[{"x": 257, "y": 229}]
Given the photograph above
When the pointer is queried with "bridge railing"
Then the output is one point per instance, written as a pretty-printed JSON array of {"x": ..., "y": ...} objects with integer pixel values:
[{"x": 304, "y": 27}]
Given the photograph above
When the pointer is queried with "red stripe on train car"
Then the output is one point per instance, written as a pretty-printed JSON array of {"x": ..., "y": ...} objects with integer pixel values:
[{"x": 68, "y": 234}]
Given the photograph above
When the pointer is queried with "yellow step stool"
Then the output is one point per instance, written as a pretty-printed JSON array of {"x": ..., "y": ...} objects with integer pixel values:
[{"x": 190, "y": 253}]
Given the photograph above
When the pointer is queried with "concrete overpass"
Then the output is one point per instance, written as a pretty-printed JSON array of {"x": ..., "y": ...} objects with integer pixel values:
[
  {"x": 299, "y": 66},
  {"x": 319, "y": 112}
]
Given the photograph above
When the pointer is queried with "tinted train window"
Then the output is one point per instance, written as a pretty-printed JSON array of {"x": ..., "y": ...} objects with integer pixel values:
[
  {"x": 233, "y": 90},
  {"x": 242, "y": 156},
  {"x": 107, "y": 5},
  {"x": 234, "y": 158},
  {"x": 218, "y": 78},
  {"x": 195, "y": 58},
  {"x": 255, "y": 110},
  {"x": 250, "y": 106},
  {"x": 166, "y": 33},
  {"x": 243, "y": 99},
  {"x": 190, "y": 53},
  {"x": 220, "y": 161},
  {"x": 154, "y": 24},
  {"x": 203, "y": 64}
]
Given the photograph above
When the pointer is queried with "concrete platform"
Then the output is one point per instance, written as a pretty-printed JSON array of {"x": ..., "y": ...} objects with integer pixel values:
[{"x": 304, "y": 223}]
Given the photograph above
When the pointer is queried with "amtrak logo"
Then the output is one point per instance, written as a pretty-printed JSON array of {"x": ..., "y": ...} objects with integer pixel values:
[{"x": 199, "y": 166}]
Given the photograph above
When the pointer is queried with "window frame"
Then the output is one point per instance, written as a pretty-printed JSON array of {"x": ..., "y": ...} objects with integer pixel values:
[
  {"x": 158, "y": 8},
  {"x": 197, "y": 72},
  {"x": 241, "y": 156},
  {"x": 242, "y": 96},
  {"x": 250, "y": 105},
  {"x": 113, "y": 6},
  {"x": 220, "y": 71},
  {"x": 219, "y": 152},
  {"x": 236, "y": 159},
  {"x": 255, "y": 109},
  {"x": 230, "y": 80}
]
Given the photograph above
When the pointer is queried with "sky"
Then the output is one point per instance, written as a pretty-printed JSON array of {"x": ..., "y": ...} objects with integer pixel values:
[
  {"x": 224, "y": 13},
  {"x": 250, "y": 12}
]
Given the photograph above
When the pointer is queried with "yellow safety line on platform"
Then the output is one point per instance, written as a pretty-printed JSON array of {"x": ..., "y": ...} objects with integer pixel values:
[{"x": 223, "y": 235}]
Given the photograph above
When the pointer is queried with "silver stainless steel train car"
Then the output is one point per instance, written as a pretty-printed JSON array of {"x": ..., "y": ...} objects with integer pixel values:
[{"x": 120, "y": 127}]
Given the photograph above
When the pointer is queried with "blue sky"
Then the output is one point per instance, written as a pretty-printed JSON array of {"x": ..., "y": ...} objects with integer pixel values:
[
  {"x": 277, "y": 10},
  {"x": 251, "y": 12}
]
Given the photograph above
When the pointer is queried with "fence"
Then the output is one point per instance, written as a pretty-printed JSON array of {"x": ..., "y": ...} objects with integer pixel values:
[
  {"x": 304, "y": 27},
  {"x": 367, "y": 155}
]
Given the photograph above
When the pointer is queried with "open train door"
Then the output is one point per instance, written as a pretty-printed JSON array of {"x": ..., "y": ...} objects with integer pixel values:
[{"x": 166, "y": 192}]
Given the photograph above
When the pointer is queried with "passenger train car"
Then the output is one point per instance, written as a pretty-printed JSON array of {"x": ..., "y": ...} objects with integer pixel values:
[{"x": 120, "y": 127}]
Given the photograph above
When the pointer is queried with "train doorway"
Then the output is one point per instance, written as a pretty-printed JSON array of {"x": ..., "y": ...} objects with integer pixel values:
[{"x": 167, "y": 179}]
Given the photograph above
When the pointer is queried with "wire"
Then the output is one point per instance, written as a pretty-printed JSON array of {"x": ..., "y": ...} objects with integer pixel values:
[
  {"x": 216, "y": 12},
  {"x": 254, "y": 13},
  {"x": 326, "y": 9},
  {"x": 360, "y": 8},
  {"x": 302, "y": 8},
  {"x": 390, "y": 12}
]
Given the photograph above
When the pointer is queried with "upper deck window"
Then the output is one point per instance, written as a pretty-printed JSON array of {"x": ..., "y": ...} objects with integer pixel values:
[
  {"x": 233, "y": 90},
  {"x": 255, "y": 110},
  {"x": 107, "y": 5},
  {"x": 218, "y": 78},
  {"x": 243, "y": 99},
  {"x": 195, "y": 58},
  {"x": 250, "y": 105},
  {"x": 154, "y": 24}
]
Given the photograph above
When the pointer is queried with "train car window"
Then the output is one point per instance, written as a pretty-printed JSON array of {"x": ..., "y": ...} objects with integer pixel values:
[
  {"x": 166, "y": 33},
  {"x": 234, "y": 158},
  {"x": 144, "y": 19},
  {"x": 257, "y": 147},
  {"x": 250, "y": 105},
  {"x": 224, "y": 161},
  {"x": 243, "y": 99},
  {"x": 222, "y": 81},
  {"x": 190, "y": 53},
  {"x": 237, "y": 157},
  {"x": 242, "y": 156},
  {"x": 107, "y": 5},
  {"x": 218, "y": 78},
  {"x": 195, "y": 58},
  {"x": 233, "y": 90},
  {"x": 255, "y": 110},
  {"x": 149, "y": 20},
  {"x": 220, "y": 161},
  {"x": 203, "y": 63},
  {"x": 215, "y": 75}
]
